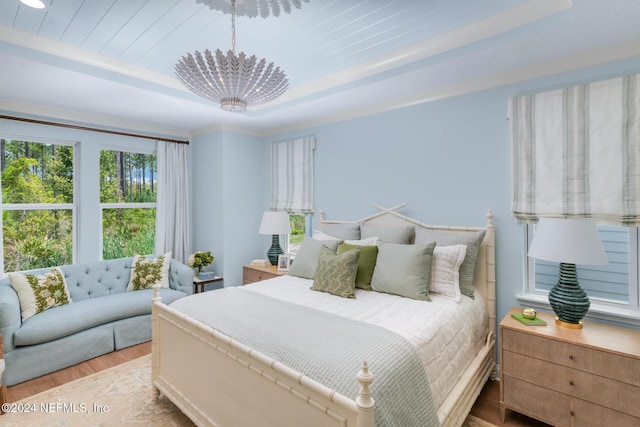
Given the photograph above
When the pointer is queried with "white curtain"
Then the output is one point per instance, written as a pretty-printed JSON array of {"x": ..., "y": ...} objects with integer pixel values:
[
  {"x": 576, "y": 152},
  {"x": 173, "y": 228},
  {"x": 292, "y": 175}
]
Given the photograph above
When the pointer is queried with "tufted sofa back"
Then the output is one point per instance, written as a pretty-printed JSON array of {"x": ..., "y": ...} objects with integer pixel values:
[{"x": 101, "y": 278}]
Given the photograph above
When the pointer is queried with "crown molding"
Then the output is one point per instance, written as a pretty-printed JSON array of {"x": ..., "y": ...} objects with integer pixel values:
[{"x": 601, "y": 56}]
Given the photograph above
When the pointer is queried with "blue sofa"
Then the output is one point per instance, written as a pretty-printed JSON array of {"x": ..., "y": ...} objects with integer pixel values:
[{"x": 103, "y": 317}]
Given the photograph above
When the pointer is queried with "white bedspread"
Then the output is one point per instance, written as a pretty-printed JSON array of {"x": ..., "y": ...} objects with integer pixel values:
[{"x": 446, "y": 334}]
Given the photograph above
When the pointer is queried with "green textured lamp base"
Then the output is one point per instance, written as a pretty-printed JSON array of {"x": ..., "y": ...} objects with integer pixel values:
[
  {"x": 568, "y": 300},
  {"x": 275, "y": 250}
]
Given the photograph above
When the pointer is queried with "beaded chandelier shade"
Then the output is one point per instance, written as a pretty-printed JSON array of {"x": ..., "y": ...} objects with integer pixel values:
[
  {"x": 251, "y": 9},
  {"x": 234, "y": 80}
]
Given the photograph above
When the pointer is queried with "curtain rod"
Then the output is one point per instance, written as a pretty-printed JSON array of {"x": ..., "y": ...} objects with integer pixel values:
[{"x": 112, "y": 132}]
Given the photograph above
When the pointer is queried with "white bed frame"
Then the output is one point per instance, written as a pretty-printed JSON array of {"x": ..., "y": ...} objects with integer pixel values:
[{"x": 217, "y": 381}]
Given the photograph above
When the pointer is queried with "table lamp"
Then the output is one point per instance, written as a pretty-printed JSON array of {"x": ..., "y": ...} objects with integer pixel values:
[
  {"x": 275, "y": 223},
  {"x": 569, "y": 242}
]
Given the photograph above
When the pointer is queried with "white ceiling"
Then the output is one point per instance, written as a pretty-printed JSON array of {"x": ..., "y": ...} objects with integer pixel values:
[{"x": 110, "y": 62}]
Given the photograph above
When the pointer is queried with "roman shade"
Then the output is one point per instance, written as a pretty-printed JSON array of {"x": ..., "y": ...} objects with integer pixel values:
[
  {"x": 292, "y": 175},
  {"x": 576, "y": 152}
]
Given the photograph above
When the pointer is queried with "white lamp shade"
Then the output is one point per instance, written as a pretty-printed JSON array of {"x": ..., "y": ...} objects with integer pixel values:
[
  {"x": 569, "y": 241},
  {"x": 275, "y": 222}
]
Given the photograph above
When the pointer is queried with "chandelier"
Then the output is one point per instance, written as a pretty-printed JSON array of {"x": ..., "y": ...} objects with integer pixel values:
[
  {"x": 234, "y": 80},
  {"x": 253, "y": 8}
]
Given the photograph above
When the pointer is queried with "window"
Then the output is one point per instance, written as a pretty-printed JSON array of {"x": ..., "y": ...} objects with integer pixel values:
[
  {"x": 614, "y": 284},
  {"x": 298, "y": 230},
  {"x": 38, "y": 210},
  {"x": 128, "y": 188}
]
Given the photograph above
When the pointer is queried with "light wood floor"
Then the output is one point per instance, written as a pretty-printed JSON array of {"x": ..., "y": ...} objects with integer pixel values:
[{"x": 487, "y": 406}]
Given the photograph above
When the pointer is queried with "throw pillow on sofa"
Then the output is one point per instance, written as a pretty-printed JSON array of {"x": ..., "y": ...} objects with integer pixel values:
[
  {"x": 146, "y": 272},
  {"x": 39, "y": 293}
]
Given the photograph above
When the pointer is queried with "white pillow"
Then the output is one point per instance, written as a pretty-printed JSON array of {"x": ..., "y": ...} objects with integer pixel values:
[
  {"x": 146, "y": 272},
  {"x": 39, "y": 293},
  {"x": 445, "y": 275},
  {"x": 370, "y": 241}
]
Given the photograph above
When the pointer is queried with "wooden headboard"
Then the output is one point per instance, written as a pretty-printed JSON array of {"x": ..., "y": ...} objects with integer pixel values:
[{"x": 484, "y": 279}]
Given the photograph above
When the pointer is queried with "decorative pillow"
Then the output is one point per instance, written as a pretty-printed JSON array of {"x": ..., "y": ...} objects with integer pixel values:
[
  {"x": 319, "y": 235},
  {"x": 445, "y": 276},
  {"x": 403, "y": 270},
  {"x": 306, "y": 260},
  {"x": 39, "y": 293},
  {"x": 366, "y": 263},
  {"x": 336, "y": 274},
  {"x": 471, "y": 240},
  {"x": 403, "y": 234},
  {"x": 342, "y": 230},
  {"x": 146, "y": 272}
]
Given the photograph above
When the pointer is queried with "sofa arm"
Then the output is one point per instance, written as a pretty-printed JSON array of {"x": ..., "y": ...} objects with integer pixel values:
[
  {"x": 180, "y": 277},
  {"x": 10, "y": 318}
]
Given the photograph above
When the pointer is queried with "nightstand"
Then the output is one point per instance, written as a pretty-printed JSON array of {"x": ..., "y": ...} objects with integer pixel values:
[
  {"x": 255, "y": 273},
  {"x": 198, "y": 283},
  {"x": 570, "y": 377}
]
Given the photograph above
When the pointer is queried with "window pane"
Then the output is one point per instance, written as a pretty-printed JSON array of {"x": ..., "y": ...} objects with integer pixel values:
[
  {"x": 33, "y": 172},
  {"x": 609, "y": 281},
  {"x": 37, "y": 239},
  {"x": 298, "y": 226},
  {"x": 126, "y": 232},
  {"x": 127, "y": 177}
]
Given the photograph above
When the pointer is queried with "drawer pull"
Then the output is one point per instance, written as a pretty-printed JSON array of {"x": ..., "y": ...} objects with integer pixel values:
[
  {"x": 572, "y": 413},
  {"x": 571, "y": 382},
  {"x": 571, "y": 356}
]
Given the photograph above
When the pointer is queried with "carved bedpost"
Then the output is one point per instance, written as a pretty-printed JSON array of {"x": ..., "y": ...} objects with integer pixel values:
[
  {"x": 3, "y": 388},
  {"x": 490, "y": 240},
  {"x": 365, "y": 402},
  {"x": 155, "y": 336}
]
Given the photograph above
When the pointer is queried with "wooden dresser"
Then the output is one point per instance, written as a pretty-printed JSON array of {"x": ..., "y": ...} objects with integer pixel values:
[
  {"x": 570, "y": 377},
  {"x": 253, "y": 273}
]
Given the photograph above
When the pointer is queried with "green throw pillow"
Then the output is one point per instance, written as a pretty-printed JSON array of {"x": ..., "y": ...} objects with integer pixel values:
[
  {"x": 366, "y": 263},
  {"x": 39, "y": 293},
  {"x": 336, "y": 274},
  {"x": 146, "y": 272},
  {"x": 403, "y": 270}
]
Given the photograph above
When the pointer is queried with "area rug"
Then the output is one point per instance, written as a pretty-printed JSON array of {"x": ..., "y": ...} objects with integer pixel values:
[{"x": 121, "y": 395}]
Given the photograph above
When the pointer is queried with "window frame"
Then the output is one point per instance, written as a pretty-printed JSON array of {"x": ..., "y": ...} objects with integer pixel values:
[
  {"x": 73, "y": 207},
  {"x": 606, "y": 310},
  {"x": 136, "y": 205}
]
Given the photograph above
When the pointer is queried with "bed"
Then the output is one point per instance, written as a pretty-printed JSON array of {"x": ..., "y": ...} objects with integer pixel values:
[{"x": 216, "y": 379}]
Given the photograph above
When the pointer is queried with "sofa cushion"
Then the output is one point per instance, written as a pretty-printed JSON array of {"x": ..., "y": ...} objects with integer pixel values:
[
  {"x": 61, "y": 321},
  {"x": 40, "y": 293},
  {"x": 146, "y": 272}
]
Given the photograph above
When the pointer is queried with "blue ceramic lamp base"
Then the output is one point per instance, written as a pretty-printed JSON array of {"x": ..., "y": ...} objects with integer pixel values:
[
  {"x": 275, "y": 250},
  {"x": 568, "y": 300}
]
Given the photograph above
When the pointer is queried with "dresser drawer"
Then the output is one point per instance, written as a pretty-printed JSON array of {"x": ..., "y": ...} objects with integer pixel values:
[
  {"x": 534, "y": 346},
  {"x": 606, "y": 364},
  {"x": 536, "y": 371},
  {"x": 530, "y": 399},
  {"x": 250, "y": 275},
  {"x": 587, "y": 414},
  {"x": 606, "y": 392}
]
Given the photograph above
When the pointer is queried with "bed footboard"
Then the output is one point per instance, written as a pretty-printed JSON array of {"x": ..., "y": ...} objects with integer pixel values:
[{"x": 217, "y": 381}]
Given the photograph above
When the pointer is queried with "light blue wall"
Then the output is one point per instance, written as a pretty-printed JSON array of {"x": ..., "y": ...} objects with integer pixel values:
[{"x": 231, "y": 184}]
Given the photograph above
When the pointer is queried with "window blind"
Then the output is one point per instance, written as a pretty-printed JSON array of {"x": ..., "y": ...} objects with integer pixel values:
[
  {"x": 576, "y": 152},
  {"x": 292, "y": 175}
]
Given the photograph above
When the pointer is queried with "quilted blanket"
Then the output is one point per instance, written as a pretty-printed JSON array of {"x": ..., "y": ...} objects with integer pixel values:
[{"x": 326, "y": 347}]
